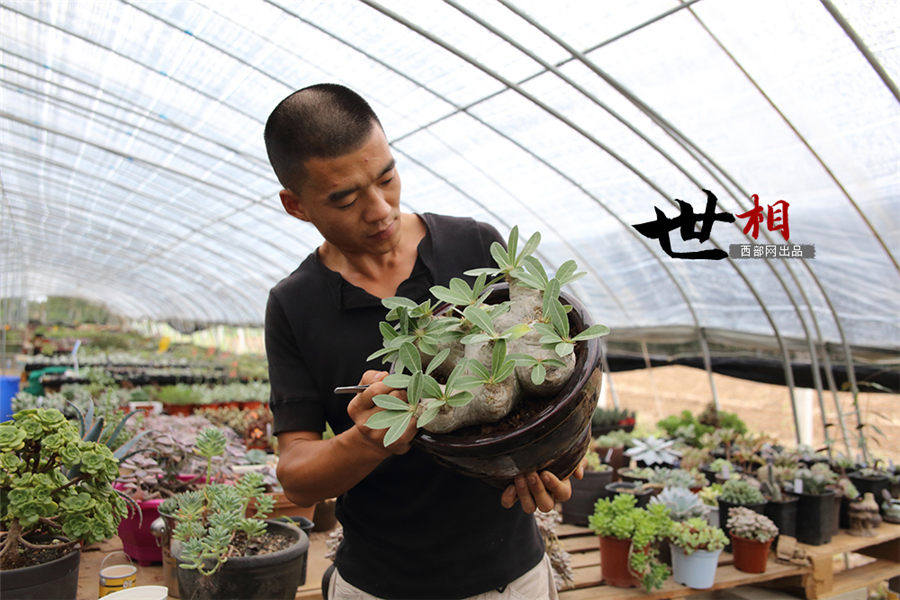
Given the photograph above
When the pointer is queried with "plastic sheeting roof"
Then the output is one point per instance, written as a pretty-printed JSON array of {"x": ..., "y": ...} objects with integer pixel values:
[{"x": 134, "y": 172}]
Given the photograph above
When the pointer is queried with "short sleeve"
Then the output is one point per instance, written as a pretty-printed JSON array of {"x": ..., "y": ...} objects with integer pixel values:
[{"x": 295, "y": 402}]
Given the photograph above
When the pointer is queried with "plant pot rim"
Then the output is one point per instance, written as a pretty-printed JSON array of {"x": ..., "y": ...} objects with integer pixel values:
[
  {"x": 675, "y": 547},
  {"x": 808, "y": 495},
  {"x": 868, "y": 477},
  {"x": 587, "y": 358},
  {"x": 300, "y": 545},
  {"x": 749, "y": 541},
  {"x": 55, "y": 562},
  {"x": 789, "y": 497}
]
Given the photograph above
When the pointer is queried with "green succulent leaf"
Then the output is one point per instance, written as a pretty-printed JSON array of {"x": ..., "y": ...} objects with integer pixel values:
[
  {"x": 435, "y": 362},
  {"x": 397, "y": 430},
  {"x": 397, "y": 381},
  {"x": 389, "y": 402},
  {"x": 594, "y": 331},
  {"x": 538, "y": 373}
]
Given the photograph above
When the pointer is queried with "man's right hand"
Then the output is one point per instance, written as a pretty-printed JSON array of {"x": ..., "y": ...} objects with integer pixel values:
[{"x": 362, "y": 407}]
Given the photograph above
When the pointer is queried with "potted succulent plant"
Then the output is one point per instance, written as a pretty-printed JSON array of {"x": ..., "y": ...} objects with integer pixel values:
[
  {"x": 55, "y": 491},
  {"x": 611, "y": 448},
  {"x": 751, "y": 535},
  {"x": 586, "y": 491},
  {"x": 606, "y": 420},
  {"x": 815, "y": 506},
  {"x": 223, "y": 553},
  {"x": 681, "y": 503},
  {"x": 628, "y": 555},
  {"x": 871, "y": 479},
  {"x": 502, "y": 379},
  {"x": 179, "y": 399},
  {"x": 653, "y": 451},
  {"x": 739, "y": 492},
  {"x": 695, "y": 547},
  {"x": 640, "y": 490},
  {"x": 719, "y": 470},
  {"x": 781, "y": 507},
  {"x": 635, "y": 474},
  {"x": 710, "y": 498},
  {"x": 665, "y": 478}
]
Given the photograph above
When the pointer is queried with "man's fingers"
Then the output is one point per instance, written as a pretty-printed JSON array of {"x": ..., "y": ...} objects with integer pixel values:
[
  {"x": 372, "y": 376},
  {"x": 560, "y": 490},
  {"x": 524, "y": 494},
  {"x": 508, "y": 498},
  {"x": 542, "y": 498},
  {"x": 579, "y": 470}
]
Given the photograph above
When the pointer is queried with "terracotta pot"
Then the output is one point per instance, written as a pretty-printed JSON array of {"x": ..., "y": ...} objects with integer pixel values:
[
  {"x": 178, "y": 409},
  {"x": 614, "y": 562},
  {"x": 554, "y": 440},
  {"x": 750, "y": 556},
  {"x": 324, "y": 518}
]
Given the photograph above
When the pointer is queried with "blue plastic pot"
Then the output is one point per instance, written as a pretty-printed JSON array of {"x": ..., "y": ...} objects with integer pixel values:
[{"x": 697, "y": 570}]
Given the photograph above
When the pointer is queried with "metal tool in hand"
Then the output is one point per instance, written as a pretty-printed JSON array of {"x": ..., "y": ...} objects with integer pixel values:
[{"x": 350, "y": 389}]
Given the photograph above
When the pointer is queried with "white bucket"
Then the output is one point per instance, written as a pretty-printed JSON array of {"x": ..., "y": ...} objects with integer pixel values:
[{"x": 141, "y": 592}]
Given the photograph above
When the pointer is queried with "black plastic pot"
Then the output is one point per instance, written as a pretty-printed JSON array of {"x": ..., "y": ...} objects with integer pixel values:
[
  {"x": 844, "y": 514},
  {"x": 624, "y": 475},
  {"x": 554, "y": 440},
  {"x": 723, "y": 514},
  {"x": 871, "y": 484},
  {"x": 274, "y": 576},
  {"x": 815, "y": 513},
  {"x": 784, "y": 515},
  {"x": 622, "y": 487},
  {"x": 585, "y": 493},
  {"x": 54, "y": 580},
  {"x": 306, "y": 526},
  {"x": 836, "y": 515}
]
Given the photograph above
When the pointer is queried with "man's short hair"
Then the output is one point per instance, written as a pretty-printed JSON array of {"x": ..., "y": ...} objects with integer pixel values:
[{"x": 322, "y": 121}]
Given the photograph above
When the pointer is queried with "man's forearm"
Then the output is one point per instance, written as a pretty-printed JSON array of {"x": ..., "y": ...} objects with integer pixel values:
[{"x": 314, "y": 470}]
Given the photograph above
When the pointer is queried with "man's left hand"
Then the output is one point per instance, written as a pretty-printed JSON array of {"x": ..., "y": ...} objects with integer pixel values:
[{"x": 540, "y": 492}]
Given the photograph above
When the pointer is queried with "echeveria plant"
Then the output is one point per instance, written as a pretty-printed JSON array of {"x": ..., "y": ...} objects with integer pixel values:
[
  {"x": 696, "y": 534},
  {"x": 469, "y": 362},
  {"x": 39, "y": 447}
]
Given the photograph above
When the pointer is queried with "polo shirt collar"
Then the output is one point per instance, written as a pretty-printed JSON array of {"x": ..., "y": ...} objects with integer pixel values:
[{"x": 348, "y": 296}]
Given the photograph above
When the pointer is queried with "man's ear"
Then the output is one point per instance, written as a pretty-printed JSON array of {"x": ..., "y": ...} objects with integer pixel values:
[{"x": 292, "y": 205}]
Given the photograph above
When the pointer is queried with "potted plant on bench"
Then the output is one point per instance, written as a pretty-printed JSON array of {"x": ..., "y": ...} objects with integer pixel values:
[
  {"x": 751, "y": 534},
  {"x": 222, "y": 552},
  {"x": 55, "y": 491},
  {"x": 695, "y": 547}
]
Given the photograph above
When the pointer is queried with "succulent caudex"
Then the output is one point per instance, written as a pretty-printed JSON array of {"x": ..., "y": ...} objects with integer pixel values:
[{"x": 469, "y": 362}]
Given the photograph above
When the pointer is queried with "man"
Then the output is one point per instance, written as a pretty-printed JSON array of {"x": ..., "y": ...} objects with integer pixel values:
[{"x": 412, "y": 529}]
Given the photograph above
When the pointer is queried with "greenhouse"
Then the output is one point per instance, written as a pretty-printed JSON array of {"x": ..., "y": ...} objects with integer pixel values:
[{"x": 612, "y": 288}]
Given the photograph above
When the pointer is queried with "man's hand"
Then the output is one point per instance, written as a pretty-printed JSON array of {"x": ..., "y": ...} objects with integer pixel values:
[
  {"x": 362, "y": 407},
  {"x": 543, "y": 492}
]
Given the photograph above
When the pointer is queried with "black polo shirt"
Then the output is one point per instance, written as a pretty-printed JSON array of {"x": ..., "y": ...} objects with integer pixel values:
[{"x": 412, "y": 529}]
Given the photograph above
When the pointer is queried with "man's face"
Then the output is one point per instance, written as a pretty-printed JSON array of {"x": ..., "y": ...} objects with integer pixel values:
[{"x": 353, "y": 199}]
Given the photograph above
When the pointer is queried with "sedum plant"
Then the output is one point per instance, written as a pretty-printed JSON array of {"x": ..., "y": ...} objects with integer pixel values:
[
  {"x": 750, "y": 525},
  {"x": 468, "y": 362},
  {"x": 740, "y": 491},
  {"x": 212, "y": 521},
  {"x": 37, "y": 496},
  {"x": 696, "y": 534},
  {"x": 710, "y": 495},
  {"x": 618, "y": 517},
  {"x": 681, "y": 502}
]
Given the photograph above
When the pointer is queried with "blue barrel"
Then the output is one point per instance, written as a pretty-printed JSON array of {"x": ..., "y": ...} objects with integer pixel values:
[{"x": 9, "y": 387}]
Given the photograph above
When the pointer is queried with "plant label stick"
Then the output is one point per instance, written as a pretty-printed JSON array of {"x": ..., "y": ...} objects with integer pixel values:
[
  {"x": 798, "y": 485},
  {"x": 609, "y": 452},
  {"x": 726, "y": 472}
]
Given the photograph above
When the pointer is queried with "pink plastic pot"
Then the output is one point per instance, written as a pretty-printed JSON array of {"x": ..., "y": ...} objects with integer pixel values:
[{"x": 137, "y": 541}]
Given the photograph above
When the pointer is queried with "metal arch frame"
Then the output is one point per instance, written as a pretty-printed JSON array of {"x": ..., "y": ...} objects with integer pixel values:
[
  {"x": 122, "y": 298},
  {"x": 692, "y": 149},
  {"x": 851, "y": 373},
  {"x": 394, "y": 141},
  {"x": 569, "y": 123},
  {"x": 248, "y": 249},
  {"x": 251, "y": 267},
  {"x": 100, "y": 273},
  {"x": 134, "y": 108},
  {"x": 141, "y": 281},
  {"x": 278, "y": 80},
  {"x": 861, "y": 46}
]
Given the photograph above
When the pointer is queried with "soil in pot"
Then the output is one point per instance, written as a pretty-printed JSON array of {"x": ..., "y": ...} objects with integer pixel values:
[
  {"x": 623, "y": 487},
  {"x": 271, "y": 570},
  {"x": 750, "y": 556},
  {"x": 585, "y": 493},
  {"x": 696, "y": 570},
  {"x": 614, "y": 554},
  {"x": 815, "y": 513},
  {"x": 628, "y": 475},
  {"x": 55, "y": 579},
  {"x": 784, "y": 515}
]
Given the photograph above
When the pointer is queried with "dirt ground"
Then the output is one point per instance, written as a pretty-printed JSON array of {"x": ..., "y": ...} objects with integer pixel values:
[{"x": 664, "y": 391}]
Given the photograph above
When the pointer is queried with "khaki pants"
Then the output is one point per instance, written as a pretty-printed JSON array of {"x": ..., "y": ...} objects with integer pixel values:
[{"x": 536, "y": 584}]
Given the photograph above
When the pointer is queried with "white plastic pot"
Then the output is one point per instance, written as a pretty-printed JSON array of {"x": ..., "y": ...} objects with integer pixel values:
[
  {"x": 141, "y": 592},
  {"x": 697, "y": 570}
]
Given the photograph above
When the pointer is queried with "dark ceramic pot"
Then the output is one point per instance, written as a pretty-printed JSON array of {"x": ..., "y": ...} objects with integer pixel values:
[
  {"x": 53, "y": 580},
  {"x": 622, "y": 487},
  {"x": 274, "y": 576},
  {"x": 871, "y": 484},
  {"x": 554, "y": 440},
  {"x": 585, "y": 493}
]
